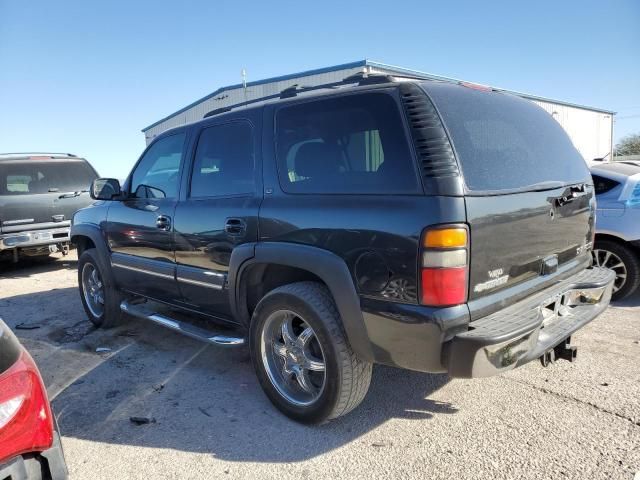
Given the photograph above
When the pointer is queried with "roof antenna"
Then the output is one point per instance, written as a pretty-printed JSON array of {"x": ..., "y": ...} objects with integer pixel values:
[{"x": 244, "y": 83}]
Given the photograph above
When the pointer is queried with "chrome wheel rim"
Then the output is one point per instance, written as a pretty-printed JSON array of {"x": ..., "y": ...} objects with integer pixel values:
[
  {"x": 293, "y": 358},
  {"x": 93, "y": 289},
  {"x": 607, "y": 259}
]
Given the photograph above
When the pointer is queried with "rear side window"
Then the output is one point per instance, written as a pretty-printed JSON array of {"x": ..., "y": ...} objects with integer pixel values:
[
  {"x": 504, "y": 142},
  {"x": 349, "y": 144},
  {"x": 224, "y": 161},
  {"x": 29, "y": 177},
  {"x": 603, "y": 185}
]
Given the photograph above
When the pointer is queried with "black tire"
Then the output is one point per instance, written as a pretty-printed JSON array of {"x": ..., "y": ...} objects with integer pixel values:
[
  {"x": 630, "y": 259},
  {"x": 347, "y": 378},
  {"x": 111, "y": 314}
]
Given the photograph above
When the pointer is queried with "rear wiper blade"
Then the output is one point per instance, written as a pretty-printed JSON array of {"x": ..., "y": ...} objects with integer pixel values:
[{"x": 547, "y": 185}]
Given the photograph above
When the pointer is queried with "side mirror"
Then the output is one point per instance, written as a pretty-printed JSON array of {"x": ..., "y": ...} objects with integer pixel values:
[{"x": 105, "y": 189}]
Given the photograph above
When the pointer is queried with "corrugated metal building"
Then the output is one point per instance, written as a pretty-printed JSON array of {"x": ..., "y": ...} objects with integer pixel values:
[{"x": 591, "y": 129}]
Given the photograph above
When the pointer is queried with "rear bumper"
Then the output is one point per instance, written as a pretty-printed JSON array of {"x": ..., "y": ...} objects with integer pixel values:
[
  {"x": 524, "y": 331},
  {"x": 34, "y": 238},
  {"x": 28, "y": 467}
]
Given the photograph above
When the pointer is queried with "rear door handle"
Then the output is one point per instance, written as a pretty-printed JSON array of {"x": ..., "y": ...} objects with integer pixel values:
[
  {"x": 163, "y": 222},
  {"x": 235, "y": 226}
]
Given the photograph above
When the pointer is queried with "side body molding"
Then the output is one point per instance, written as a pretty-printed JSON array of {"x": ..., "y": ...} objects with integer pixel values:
[{"x": 329, "y": 267}]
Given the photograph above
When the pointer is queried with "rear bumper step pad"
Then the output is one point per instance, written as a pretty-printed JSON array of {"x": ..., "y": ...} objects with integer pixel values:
[{"x": 526, "y": 330}]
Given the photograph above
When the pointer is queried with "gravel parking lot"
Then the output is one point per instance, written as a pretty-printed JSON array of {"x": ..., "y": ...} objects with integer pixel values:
[{"x": 579, "y": 420}]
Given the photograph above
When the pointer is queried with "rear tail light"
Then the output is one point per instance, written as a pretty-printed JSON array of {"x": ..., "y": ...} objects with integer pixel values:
[
  {"x": 444, "y": 266},
  {"x": 26, "y": 423}
]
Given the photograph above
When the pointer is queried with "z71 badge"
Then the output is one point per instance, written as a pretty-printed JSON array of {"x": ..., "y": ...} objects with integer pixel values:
[{"x": 497, "y": 279}]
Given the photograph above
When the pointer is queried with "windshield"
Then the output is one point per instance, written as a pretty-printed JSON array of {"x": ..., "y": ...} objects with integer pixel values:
[
  {"x": 504, "y": 142},
  {"x": 29, "y": 177}
]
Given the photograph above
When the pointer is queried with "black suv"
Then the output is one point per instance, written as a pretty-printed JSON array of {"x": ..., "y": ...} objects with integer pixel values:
[
  {"x": 39, "y": 193},
  {"x": 426, "y": 225}
]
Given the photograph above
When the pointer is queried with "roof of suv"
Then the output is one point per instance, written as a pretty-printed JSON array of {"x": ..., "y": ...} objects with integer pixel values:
[
  {"x": 38, "y": 156},
  {"x": 360, "y": 81}
]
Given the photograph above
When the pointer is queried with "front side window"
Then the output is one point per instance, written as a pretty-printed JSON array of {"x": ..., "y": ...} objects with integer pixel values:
[
  {"x": 224, "y": 161},
  {"x": 157, "y": 175},
  {"x": 349, "y": 144}
]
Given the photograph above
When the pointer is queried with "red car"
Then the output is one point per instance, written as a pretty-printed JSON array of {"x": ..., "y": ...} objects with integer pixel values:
[{"x": 30, "y": 446}]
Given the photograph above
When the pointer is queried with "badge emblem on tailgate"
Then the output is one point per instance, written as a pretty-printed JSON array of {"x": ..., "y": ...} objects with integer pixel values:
[{"x": 497, "y": 279}]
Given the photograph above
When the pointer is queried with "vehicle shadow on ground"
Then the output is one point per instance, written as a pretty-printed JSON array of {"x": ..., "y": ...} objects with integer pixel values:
[
  {"x": 630, "y": 301},
  {"x": 29, "y": 266},
  {"x": 202, "y": 398},
  {"x": 210, "y": 402}
]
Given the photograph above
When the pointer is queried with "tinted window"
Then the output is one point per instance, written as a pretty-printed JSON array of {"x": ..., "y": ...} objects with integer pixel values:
[
  {"x": 349, "y": 144},
  {"x": 158, "y": 173},
  {"x": 19, "y": 178},
  {"x": 603, "y": 185},
  {"x": 504, "y": 142},
  {"x": 224, "y": 161}
]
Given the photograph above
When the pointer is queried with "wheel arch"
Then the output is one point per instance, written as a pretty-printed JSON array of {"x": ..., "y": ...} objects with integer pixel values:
[
  {"x": 610, "y": 238},
  {"x": 287, "y": 263},
  {"x": 88, "y": 236}
]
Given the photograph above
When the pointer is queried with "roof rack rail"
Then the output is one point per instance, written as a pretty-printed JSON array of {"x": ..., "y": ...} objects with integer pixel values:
[
  {"x": 360, "y": 78},
  {"x": 15, "y": 154},
  {"x": 217, "y": 111}
]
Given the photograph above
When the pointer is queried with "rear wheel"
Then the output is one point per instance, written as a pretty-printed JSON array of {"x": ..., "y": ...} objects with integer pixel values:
[
  {"x": 624, "y": 261},
  {"x": 100, "y": 299},
  {"x": 301, "y": 355}
]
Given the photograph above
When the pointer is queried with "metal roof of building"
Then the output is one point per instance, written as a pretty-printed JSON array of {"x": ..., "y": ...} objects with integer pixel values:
[{"x": 373, "y": 64}]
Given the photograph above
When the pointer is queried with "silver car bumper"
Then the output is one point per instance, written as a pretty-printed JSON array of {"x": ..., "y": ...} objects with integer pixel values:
[{"x": 34, "y": 238}]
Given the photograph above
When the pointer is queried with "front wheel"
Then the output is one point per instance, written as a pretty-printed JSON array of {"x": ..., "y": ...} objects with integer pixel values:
[
  {"x": 101, "y": 301},
  {"x": 302, "y": 357}
]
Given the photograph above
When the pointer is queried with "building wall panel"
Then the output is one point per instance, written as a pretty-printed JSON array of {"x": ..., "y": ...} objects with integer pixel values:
[{"x": 590, "y": 131}]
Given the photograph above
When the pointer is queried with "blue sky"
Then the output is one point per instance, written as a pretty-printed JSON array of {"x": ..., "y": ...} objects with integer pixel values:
[{"x": 86, "y": 77}]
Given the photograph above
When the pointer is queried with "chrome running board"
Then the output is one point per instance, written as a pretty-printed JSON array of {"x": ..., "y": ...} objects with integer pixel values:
[{"x": 141, "y": 310}]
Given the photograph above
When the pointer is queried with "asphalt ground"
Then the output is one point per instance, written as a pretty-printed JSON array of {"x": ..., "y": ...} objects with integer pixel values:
[{"x": 211, "y": 420}]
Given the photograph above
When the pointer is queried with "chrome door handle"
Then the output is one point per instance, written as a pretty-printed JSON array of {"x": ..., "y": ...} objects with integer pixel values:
[{"x": 163, "y": 222}]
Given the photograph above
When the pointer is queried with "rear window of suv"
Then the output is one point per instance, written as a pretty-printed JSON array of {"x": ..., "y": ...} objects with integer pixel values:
[
  {"x": 30, "y": 177},
  {"x": 504, "y": 142},
  {"x": 342, "y": 145}
]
